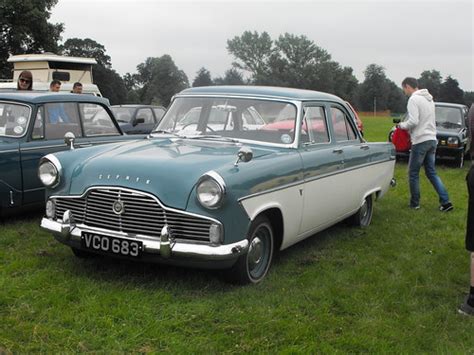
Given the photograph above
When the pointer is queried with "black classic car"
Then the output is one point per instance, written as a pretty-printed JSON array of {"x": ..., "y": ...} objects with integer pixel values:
[
  {"x": 452, "y": 132},
  {"x": 35, "y": 124},
  {"x": 138, "y": 119}
]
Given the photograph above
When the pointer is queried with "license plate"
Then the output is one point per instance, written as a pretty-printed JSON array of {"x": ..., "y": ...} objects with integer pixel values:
[{"x": 112, "y": 245}]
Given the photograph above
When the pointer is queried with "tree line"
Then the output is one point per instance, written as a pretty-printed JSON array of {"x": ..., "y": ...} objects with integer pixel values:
[{"x": 290, "y": 60}]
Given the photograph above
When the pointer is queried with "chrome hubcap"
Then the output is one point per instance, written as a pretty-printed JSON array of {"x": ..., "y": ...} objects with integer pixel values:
[{"x": 255, "y": 252}]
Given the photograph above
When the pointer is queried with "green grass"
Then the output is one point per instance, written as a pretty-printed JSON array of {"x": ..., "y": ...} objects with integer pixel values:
[{"x": 393, "y": 287}]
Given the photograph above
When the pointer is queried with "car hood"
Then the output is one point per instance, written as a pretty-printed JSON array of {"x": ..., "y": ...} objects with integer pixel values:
[
  {"x": 166, "y": 168},
  {"x": 441, "y": 131}
]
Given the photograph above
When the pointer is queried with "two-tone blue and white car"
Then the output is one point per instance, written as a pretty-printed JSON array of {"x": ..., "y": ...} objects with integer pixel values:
[{"x": 224, "y": 195}]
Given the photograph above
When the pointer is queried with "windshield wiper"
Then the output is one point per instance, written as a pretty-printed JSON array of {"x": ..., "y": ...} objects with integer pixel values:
[
  {"x": 214, "y": 137},
  {"x": 166, "y": 132}
]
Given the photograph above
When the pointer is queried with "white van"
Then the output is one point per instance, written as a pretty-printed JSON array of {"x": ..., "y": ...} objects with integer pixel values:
[{"x": 47, "y": 67}]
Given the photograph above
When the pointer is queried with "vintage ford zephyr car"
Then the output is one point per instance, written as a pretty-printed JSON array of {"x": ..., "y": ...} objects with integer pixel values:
[
  {"x": 34, "y": 124},
  {"x": 220, "y": 196}
]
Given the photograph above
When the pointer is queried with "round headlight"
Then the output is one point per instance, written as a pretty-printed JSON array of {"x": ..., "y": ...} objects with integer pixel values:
[
  {"x": 48, "y": 173},
  {"x": 210, "y": 193}
]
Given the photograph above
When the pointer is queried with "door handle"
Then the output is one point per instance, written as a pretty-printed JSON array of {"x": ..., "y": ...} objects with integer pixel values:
[
  {"x": 85, "y": 145},
  {"x": 364, "y": 146},
  {"x": 338, "y": 150}
]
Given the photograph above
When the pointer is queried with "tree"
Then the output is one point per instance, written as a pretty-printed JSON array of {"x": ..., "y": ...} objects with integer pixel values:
[
  {"x": 160, "y": 79},
  {"x": 450, "y": 91},
  {"x": 431, "y": 80},
  {"x": 374, "y": 91},
  {"x": 231, "y": 77},
  {"x": 25, "y": 29},
  {"x": 77, "y": 47},
  {"x": 254, "y": 52},
  {"x": 293, "y": 61},
  {"x": 110, "y": 84},
  {"x": 468, "y": 98},
  {"x": 203, "y": 78}
]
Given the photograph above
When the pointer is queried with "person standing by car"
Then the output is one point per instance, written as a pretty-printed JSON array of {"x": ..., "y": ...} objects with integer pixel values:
[
  {"x": 77, "y": 88},
  {"x": 25, "y": 81},
  {"x": 422, "y": 126},
  {"x": 468, "y": 306},
  {"x": 55, "y": 86}
]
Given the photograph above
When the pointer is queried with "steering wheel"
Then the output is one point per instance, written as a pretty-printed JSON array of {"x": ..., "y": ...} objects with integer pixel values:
[{"x": 189, "y": 124}]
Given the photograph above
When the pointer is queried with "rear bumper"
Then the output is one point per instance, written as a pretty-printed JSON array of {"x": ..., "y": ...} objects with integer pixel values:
[{"x": 165, "y": 249}]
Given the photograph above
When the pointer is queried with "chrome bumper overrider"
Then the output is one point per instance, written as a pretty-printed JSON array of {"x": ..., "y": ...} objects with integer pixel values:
[{"x": 68, "y": 233}]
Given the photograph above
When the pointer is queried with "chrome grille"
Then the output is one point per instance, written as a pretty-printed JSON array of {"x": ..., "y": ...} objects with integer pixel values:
[{"x": 142, "y": 214}]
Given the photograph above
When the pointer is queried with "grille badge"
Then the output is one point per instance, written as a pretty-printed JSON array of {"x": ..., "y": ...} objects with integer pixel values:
[{"x": 118, "y": 207}]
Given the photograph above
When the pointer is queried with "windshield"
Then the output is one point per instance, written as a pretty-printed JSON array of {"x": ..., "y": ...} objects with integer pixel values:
[
  {"x": 14, "y": 119},
  {"x": 248, "y": 119},
  {"x": 123, "y": 114},
  {"x": 449, "y": 117}
]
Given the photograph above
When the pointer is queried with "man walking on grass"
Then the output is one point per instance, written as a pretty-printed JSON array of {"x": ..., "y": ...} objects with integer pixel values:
[{"x": 422, "y": 126}]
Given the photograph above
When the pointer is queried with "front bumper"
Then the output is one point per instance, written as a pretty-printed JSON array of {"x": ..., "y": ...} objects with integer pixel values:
[{"x": 162, "y": 250}]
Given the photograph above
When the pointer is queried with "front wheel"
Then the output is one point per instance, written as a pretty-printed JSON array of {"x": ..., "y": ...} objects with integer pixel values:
[
  {"x": 363, "y": 216},
  {"x": 252, "y": 267}
]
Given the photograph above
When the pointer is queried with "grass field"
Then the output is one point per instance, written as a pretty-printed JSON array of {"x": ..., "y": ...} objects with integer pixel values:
[{"x": 393, "y": 287}]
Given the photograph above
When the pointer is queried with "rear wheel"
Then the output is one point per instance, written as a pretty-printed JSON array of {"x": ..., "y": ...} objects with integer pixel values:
[
  {"x": 363, "y": 216},
  {"x": 252, "y": 267}
]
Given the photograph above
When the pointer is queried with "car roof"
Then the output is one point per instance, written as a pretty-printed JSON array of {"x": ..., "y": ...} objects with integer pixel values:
[
  {"x": 449, "y": 104},
  {"x": 261, "y": 91},
  {"x": 44, "y": 97}
]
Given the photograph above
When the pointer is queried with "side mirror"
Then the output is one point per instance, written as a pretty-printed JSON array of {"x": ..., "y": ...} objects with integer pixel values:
[
  {"x": 396, "y": 120},
  {"x": 137, "y": 121},
  {"x": 69, "y": 139},
  {"x": 245, "y": 155}
]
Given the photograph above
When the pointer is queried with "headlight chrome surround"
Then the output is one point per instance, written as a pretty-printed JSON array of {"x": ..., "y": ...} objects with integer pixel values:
[
  {"x": 211, "y": 190},
  {"x": 49, "y": 171}
]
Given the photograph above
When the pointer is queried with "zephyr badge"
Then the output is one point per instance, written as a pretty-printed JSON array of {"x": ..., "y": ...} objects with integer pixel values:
[{"x": 118, "y": 207}]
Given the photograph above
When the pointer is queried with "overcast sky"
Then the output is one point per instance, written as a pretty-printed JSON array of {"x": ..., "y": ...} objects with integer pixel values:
[{"x": 406, "y": 37}]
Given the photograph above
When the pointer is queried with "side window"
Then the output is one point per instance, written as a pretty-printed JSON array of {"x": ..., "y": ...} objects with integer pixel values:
[
  {"x": 97, "y": 121},
  {"x": 38, "y": 128},
  {"x": 343, "y": 130},
  {"x": 315, "y": 126},
  {"x": 159, "y": 112},
  {"x": 60, "y": 118},
  {"x": 146, "y": 114}
]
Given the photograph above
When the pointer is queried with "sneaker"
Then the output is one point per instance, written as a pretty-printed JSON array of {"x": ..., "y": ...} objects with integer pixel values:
[
  {"x": 417, "y": 207},
  {"x": 466, "y": 309},
  {"x": 446, "y": 207}
]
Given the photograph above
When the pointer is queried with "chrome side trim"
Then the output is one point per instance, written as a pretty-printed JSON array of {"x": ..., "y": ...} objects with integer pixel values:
[
  {"x": 68, "y": 233},
  {"x": 312, "y": 179},
  {"x": 43, "y": 147},
  {"x": 9, "y": 151}
]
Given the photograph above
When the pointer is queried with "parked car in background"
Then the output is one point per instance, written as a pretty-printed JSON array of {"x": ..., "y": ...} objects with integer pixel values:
[
  {"x": 220, "y": 118},
  {"x": 34, "y": 124},
  {"x": 138, "y": 119},
  {"x": 452, "y": 132},
  {"x": 227, "y": 196}
]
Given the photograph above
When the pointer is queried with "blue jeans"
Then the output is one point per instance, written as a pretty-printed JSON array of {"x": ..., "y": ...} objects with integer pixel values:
[{"x": 423, "y": 154}]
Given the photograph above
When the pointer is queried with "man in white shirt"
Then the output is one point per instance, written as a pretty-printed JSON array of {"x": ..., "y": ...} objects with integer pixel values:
[{"x": 422, "y": 126}]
